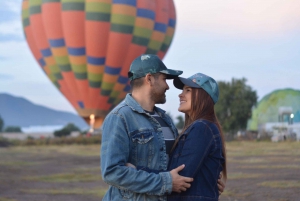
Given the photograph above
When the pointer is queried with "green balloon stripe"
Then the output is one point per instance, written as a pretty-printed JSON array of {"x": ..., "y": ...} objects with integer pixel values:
[
  {"x": 65, "y": 67},
  {"x": 50, "y": 1},
  {"x": 98, "y": 7},
  {"x": 80, "y": 76},
  {"x": 121, "y": 28},
  {"x": 35, "y": 10},
  {"x": 140, "y": 40},
  {"x": 94, "y": 84},
  {"x": 73, "y": 6},
  {"x": 26, "y": 22},
  {"x": 94, "y": 16},
  {"x": 94, "y": 77}
]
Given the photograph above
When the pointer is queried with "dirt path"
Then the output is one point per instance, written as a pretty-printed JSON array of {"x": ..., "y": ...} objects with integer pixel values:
[{"x": 256, "y": 171}]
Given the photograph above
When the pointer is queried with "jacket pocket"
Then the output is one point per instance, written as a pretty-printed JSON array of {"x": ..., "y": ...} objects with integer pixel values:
[
  {"x": 126, "y": 194},
  {"x": 142, "y": 137},
  {"x": 142, "y": 150}
]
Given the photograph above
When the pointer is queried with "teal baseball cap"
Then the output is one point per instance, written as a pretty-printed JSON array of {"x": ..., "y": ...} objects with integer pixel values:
[
  {"x": 150, "y": 63},
  {"x": 199, "y": 80}
]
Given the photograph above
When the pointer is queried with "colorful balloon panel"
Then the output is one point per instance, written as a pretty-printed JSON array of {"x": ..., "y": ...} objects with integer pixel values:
[{"x": 86, "y": 46}]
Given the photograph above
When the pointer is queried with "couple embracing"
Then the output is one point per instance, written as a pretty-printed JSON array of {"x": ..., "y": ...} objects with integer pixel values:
[{"x": 142, "y": 155}]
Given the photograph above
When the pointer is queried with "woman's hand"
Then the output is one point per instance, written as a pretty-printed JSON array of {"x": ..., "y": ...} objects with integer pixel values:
[
  {"x": 130, "y": 165},
  {"x": 221, "y": 184}
]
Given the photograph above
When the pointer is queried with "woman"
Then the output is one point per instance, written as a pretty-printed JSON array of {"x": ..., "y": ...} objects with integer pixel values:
[{"x": 201, "y": 145}]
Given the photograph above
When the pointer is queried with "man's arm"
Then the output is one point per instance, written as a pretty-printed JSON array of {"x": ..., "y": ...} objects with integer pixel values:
[{"x": 114, "y": 156}]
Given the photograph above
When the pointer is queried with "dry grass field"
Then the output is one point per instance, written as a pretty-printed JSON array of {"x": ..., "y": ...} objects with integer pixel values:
[{"x": 258, "y": 171}]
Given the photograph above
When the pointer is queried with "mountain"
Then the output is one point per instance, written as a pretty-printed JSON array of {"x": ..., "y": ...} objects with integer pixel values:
[{"x": 17, "y": 111}]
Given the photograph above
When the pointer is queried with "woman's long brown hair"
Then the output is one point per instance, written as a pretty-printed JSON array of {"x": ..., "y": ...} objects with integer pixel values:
[{"x": 203, "y": 108}]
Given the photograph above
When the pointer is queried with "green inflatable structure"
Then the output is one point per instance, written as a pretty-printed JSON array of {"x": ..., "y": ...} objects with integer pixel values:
[{"x": 267, "y": 108}]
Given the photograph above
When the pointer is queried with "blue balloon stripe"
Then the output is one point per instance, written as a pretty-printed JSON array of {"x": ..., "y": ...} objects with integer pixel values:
[
  {"x": 145, "y": 13},
  {"x": 46, "y": 52},
  {"x": 76, "y": 51},
  {"x": 80, "y": 103},
  {"x": 57, "y": 42},
  {"x": 112, "y": 71},
  {"x": 123, "y": 80},
  {"x": 160, "y": 27},
  {"x": 127, "y": 88},
  {"x": 42, "y": 62},
  {"x": 128, "y": 2},
  {"x": 172, "y": 23},
  {"x": 96, "y": 60}
]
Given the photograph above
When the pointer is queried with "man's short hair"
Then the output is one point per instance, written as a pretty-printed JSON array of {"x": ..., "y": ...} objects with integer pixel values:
[{"x": 136, "y": 83}]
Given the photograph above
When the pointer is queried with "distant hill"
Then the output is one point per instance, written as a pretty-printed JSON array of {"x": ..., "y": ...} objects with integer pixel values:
[{"x": 17, "y": 111}]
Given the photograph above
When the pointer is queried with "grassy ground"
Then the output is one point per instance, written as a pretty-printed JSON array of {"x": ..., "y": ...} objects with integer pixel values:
[{"x": 256, "y": 171}]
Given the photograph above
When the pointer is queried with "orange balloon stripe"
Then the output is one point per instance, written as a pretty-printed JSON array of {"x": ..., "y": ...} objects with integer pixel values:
[
  {"x": 93, "y": 96},
  {"x": 145, "y": 17},
  {"x": 144, "y": 23},
  {"x": 77, "y": 60},
  {"x": 73, "y": 29},
  {"x": 96, "y": 69},
  {"x": 59, "y": 51},
  {"x": 118, "y": 45},
  {"x": 39, "y": 40},
  {"x": 162, "y": 11},
  {"x": 96, "y": 37},
  {"x": 122, "y": 9},
  {"x": 64, "y": 89},
  {"x": 51, "y": 12}
]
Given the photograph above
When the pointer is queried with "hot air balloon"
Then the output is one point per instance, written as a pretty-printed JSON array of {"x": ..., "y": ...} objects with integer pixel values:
[{"x": 85, "y": 47}]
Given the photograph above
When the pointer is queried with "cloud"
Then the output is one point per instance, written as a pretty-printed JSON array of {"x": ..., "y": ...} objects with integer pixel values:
[
  {"x": 11, "y": 29},
  {"x": 14, "y": 50},
  {"x": 247, "y": 18},
  {"x": 6, "y": 77},
  {"x": 12, "y": 5}
]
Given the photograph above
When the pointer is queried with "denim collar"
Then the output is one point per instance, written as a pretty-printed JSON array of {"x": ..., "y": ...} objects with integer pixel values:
[{"x": 135, "y": 106}]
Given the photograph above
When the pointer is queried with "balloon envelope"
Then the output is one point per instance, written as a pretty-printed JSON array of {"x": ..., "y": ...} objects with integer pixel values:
[{"x": 85, "y": 47}]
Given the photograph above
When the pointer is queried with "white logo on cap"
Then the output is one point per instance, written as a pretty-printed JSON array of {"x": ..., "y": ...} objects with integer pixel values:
[
  {"x": 213, "y": 85},
  {"x": 145, "y": 57}
]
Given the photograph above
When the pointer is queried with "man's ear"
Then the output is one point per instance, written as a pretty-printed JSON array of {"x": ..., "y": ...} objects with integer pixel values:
[{"x": 148, "y": 78}]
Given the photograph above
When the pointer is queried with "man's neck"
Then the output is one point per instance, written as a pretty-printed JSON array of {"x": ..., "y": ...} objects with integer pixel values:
[{"x": 143, "y": 99}]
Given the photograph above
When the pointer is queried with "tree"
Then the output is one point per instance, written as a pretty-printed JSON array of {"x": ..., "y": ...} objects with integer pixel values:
[
  {"x": 1, "y": 124},
  {"x": 180, "y": 122},
  {"x": 13, "y": 129},
  {"x": 235, "y": 103},
  {"x": 65, "y": 131}
]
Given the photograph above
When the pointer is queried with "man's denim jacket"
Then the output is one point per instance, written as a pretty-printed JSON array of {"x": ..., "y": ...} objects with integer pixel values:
[{"x": 132, "y": 136}]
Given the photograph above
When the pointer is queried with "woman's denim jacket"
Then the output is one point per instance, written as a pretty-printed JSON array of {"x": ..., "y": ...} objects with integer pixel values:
[
  {"x": 200, "y": 149},
  {"x": 132, "y": 136}
]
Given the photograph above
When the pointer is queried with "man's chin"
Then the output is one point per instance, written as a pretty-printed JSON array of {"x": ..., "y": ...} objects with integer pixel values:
[{"x": 161, "y": 102}]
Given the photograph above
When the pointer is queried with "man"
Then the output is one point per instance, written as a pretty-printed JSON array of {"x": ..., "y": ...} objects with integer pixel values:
[{"x": 139, "y": 133}]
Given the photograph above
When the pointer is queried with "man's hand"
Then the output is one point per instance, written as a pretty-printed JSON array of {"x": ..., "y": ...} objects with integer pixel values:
[
  {"x": 180, "y": 183},
  {"x": 221, "y": 185}
]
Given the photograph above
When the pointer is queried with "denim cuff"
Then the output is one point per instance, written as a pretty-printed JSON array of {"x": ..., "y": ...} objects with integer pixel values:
[{"x": 167, "y": 182}]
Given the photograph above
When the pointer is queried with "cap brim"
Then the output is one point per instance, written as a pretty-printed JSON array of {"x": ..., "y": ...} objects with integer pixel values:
[
  {"x": 171, "y": 74},
  {"x": 179, "y": 83}
]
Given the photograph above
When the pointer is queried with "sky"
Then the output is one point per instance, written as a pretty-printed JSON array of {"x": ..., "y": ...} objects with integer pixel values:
[{"x": 225, "y": 39}]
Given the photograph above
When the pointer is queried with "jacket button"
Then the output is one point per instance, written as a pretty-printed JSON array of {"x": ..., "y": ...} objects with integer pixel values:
[{"x": 161, "y": 148}]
